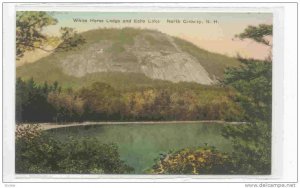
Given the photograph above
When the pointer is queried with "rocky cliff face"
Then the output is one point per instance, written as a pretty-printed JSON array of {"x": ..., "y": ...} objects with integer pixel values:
[{"x": 149, "y": 52}]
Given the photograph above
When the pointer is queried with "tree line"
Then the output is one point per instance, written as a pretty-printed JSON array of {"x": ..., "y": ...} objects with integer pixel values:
[{"x": 49, "y": 102}]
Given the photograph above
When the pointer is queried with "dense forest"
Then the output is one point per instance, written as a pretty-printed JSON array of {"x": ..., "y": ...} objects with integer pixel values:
[{"x": 49, "y": 102}]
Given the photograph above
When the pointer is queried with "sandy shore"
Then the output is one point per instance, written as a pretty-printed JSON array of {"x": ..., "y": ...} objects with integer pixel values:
[{"x": 47, "y": 126}]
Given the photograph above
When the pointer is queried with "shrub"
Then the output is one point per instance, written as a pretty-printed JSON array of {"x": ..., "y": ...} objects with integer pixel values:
[{"x": 201, "y": 160}]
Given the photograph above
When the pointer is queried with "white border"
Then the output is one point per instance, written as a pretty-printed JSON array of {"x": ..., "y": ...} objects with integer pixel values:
[{"x": 283, "y": 165}]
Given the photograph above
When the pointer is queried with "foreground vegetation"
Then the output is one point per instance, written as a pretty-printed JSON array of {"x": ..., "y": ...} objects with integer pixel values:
[
  {"x": 200, "y": 160},
  {"x": 38, "y": 152}
]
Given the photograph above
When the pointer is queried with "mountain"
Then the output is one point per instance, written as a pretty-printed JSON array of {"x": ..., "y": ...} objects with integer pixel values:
[{"x": 129, "y": 56}]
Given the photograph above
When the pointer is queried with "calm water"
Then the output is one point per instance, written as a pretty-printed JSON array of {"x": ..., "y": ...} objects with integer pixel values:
[{"x": 140, "y": 145}]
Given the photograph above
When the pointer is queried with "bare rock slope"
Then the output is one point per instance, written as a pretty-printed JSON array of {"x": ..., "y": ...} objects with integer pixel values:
[{"x": 152, "y": 53}]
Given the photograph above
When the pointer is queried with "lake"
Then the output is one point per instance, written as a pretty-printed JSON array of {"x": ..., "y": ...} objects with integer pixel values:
[{"x": 140, "y": 144}]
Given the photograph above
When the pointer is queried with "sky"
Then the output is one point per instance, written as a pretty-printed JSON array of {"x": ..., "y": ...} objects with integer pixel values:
[{"x": 216, "y": 36}]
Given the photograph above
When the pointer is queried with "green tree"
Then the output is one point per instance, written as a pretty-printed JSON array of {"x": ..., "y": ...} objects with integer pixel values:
[
  {"x": 252, "y": 142},
  {"x": 30, "y": 36},
  {"x": 253, "y": 82},
  {"x": 258, "y": 34},
  {"x": 31, "y": 102}
]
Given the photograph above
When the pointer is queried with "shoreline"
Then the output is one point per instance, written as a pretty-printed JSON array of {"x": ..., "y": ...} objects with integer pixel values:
[{"x": 48, "y": 126}]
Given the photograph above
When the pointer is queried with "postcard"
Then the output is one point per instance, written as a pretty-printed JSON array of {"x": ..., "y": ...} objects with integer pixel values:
[{"x": 153, "y": 93}]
